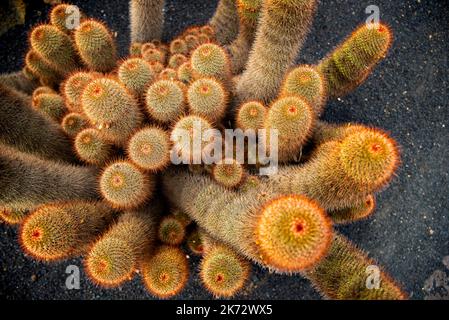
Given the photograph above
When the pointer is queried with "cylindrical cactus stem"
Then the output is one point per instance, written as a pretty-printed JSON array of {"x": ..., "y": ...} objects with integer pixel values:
[
  {"x": 96, "y": 46},
  {"x": 308, "y": 83},
  {"x": 171, "y": 230},
  {"x": 351, "y": 63},
  {"x": 125, "y": 186},
  {"x": 208, "y": 98},
  {"x": 92, "y": 148},
  {"x": 177, "y": 60},
  {"x": 228, "y": 173},
  {"x": 240, "y": 48},
  {"x": 61, "y": 17},
  {"x": 149, "y": 148},
  {"x": 28, "y": 181},
  {"x": 112, "y": 109},
  {"x": 147, "y": 19},
  {"x": 195, "y": 242},
  {"x": 284, "y": 233},
  {"x": 116, "y": 255},
  {"x": 210, "y": 60},
  {"x": 293, "y": 119},
  {"x": 325, "y": 131},
  {"x": 19, "y": 81},
  {"x": 346, "y": 273},
  {"x": 251, "y": 115},
  {"x": 225, "y": 21},
  {"x": 166, "y": 272},
  {"x": 61, "y": 230},
  {"x": 50, "y": 104},
  {"x": 282, "y": 29},
  {"x": 13, "y": 216},
  {"x": 136, "y": 74},
  {"x": 47, "y": 75},
  {"x": 341, "y": 173},
  {"x": 73, "y": 123},
  {"x": 55, "y": 47},
  {"x": 29, "y": 130},
  {"x": 165, "y": 101},
  {"x": 359, "y": 211},
  {"x": 42, "y": 89},
  {"x": 72, "y": 89},
  {"x": 223, "y": 271}
]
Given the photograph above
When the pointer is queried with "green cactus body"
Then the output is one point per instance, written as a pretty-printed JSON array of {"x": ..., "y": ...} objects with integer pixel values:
[
  {"x": 168, "y": 74},
  {"x": 177, "y": 60},
  {"x": 225, "y": 21},
  {"x": 192, "y": 42},
  {"x": 260, "y": 224},
  {"x": 136, "y": 74},
  {"x": 207, "y": 98},
  {"x": 28, "y": 181},
  {"x": 135, "y": 50},
  {"x": 73, "y": 123},
  {"x": 55, "y": 48},
  {"x": 240, "y": 48},
  {"x": 60, "y": 17},
  {"x": 324, "y": 131},
  {"x": 293, "y": 118},
  {"x": 91, "y": 148},
  {"x": 110, "y": 107},
  {"x": 179, "y": 46},
  {"x": 72, "y": 89},
  {"x": 116, "y": 255},
  {"x": 165, "y": 101},
  {"x": 282, "y": 29},
  {"x": 47, "y": 75},
  {"x": 342, "y": 173},
  {"x": 251, "y": 115},
  {"x": 42, "y": 89},
  {"x": 210, "y": 60},
  {"x": 185, "y": 73},
  {"x": 153, "y": 55},
  {"x": 166, "y": 272},
  {"x": 125, "y": 186},
  {"x": 62, "y": 230},
  {"x": 228, "y": 174},
  {"x": 146, "y": 19},
  {"x": 359, "y": 211},
  {"x": 29, "y": 130},
  {"x": 13, "y": 216},
  {"x": 222, "y": 271},
  {"x": 351, "y": 63},
  {"x": 171, "y": 231},
  {"x": 149, "y": 148},
  {"x": 96, "y": 46},
  {"x": 344, "y": 274},
  {"x": 50, "y": 104},
  {"x": 306, "y": 82}
]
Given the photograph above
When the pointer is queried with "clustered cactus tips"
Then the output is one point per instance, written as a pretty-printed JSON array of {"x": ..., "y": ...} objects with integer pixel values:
[{"x": 118, "y": 130}]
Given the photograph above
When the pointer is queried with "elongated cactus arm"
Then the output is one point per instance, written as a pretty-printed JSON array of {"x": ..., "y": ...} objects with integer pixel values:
[{"x": 147, "y": 20}]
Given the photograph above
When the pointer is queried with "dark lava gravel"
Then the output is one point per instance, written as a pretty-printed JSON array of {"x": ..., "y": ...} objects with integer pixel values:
[{"x": 407, "y": 95}]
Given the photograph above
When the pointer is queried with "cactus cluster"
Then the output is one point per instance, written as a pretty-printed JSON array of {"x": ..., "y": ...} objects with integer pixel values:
[{"x": 86, "y": 160}]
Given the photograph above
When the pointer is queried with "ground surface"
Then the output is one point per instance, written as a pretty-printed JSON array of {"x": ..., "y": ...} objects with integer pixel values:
[{"x": 407, "y": 95}]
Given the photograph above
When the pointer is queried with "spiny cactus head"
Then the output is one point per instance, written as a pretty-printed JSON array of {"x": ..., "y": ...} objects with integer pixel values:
[
  {"x": 223, "y": 272},
  {"x": 183, "y": 217},
  {"x": 153, "y": 55},
  {"x": 177, "y": 60},
  {"x": 125, "y": 186},
  {"x": 92, "y": 148},
  {"x": 42, "y": 89},
  {"x": 29, "y": 74},
  {"x": 146, "y": 46},
  {"x": 208, "y": 30},
  {"x": 250, "y": 183},
  {"x": 293, "y": 233},
  {"x": 47, "y": 233},
  {"x": 149, "y": 148},
  {"x": 203, "y": 38},
  {"x": 50, "y": 104},
  {"x": 210, "y": 60},
  {"x": 358, "y": 211},
  {"x": 110, "y": 262},
  {"x": 192, "y": 42},
  {"x": 171, "y": 231},
  {"x": 193, "y": 30},
  {"x": 183, "y": 135},
  {"x": 166, "y": 273},
  {"x": 249, "y": 10},
  {"x": 306, "y": 82},
  {"x": 251, "y": 115},
  {"x": 12, "y": 216},
  {"x": 73, "y": 123},
  {"x": 165, "y": 100},
  {"x": 195, "y": 242},
  {"x": 47, "y": 75},
  {"x": 178, "y": 46},
  {"x": 136, "y": 74},
  {"x": 59, "y": 16},
  {"x": 168, "y": 74},
  {"x": 207, "y": 98},
  {"x": 369, "y": 157},
  {"x": 156, "y": 66},
  {"x": 135, "y": 49},
  {"x": 73, "y": 87},
  {"x": 228, "y": 173},
  {"x": 185, "y": 73}
]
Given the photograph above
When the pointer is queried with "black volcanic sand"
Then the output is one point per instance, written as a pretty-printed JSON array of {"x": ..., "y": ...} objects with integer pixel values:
[{"x": 407, "y": 95}]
